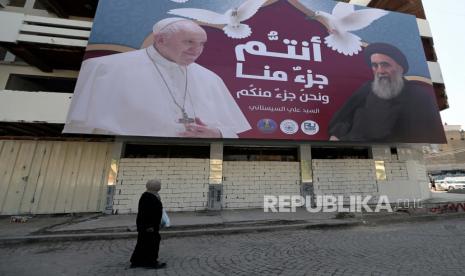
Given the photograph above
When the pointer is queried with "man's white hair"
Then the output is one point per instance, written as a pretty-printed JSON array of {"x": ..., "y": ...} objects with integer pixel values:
[
  {"x": 171, "y": 25},
  {"x": 153, "y": 185}
]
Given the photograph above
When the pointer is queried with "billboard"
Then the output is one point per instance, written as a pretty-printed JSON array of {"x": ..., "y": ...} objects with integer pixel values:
[{"x": 310, "y": 70}]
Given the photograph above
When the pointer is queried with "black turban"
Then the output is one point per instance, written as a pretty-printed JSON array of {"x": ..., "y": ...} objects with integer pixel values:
[{"x": 388, "y": 50}]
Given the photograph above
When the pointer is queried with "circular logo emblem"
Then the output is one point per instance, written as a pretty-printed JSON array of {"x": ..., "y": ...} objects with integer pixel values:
[
  {"x": 289, "y": 126},
  {"x": 310, "y": 127},
  {"x": 267, "y": 126}
]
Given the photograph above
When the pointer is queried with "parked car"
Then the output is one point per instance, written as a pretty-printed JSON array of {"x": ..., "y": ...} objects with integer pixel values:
[
  {"x": 439, "y": 185},
  {"x": 453, "y": 183}
]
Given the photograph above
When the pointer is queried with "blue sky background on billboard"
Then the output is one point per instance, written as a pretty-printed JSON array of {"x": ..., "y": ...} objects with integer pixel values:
[{"x": 446, "y": 18}]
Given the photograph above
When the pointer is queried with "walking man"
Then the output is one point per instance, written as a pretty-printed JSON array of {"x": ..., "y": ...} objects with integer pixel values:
[{"x": 148, "y": 225}]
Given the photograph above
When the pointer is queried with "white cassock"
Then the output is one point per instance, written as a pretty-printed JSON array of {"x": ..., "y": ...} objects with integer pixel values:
[{"x": 124, "y": 94}]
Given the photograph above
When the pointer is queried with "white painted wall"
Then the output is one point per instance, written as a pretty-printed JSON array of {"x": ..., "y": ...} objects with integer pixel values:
[
  {"x": 435, "y": 72},
  {"x": 245, "y": 183},
  {"x": 16, "y": 27},
  {"x": 19, "y": 106},
  {"x": 406, "y": 177},
  {"x": 405, "y": 172},
  {"x": 345, "y": 177},
  {"x": 184, "y": 183},
  {"x": 10, "y": 23},
  {"x": 404, "y": 181},
  {"x": 423, "y": 27}
]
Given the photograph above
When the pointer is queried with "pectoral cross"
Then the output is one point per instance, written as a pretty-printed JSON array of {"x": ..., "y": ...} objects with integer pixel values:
[{"x": 185, "y": 118}]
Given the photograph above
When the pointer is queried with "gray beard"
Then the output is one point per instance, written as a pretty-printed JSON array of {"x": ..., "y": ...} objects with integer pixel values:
[{"x": 386, "y": 88}]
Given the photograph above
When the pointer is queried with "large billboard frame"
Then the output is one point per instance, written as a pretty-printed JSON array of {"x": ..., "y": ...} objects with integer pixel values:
[{"x": 307, "y": 75}]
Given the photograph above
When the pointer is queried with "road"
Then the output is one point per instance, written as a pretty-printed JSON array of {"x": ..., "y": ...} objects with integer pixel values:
[{"x": 420, "y": 248}]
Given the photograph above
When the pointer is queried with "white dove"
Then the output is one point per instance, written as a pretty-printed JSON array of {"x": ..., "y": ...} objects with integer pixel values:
[
  {"x": 344, "y": 19},
  {"x": 180, "y": 1},
  {"x": 231, "y": 19}
]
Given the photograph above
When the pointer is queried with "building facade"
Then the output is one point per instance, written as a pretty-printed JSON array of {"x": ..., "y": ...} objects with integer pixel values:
[
  {"x": 450, "y": 157},
  {"x": 43, "y": 171}
]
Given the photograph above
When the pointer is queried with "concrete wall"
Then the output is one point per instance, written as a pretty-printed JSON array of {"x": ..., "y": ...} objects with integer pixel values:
[
  {"x": 35, "y": 106},
  {"x": 344, "y": 177},
  {"x": 450, "y": 156},
  {"x": 246, "y": 182},
  {"x": 406, "y": 177},
  {"x": 184, "y": 183}
]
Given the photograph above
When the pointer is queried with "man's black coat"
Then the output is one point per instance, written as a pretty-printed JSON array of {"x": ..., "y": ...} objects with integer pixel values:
[{"x": 148, "y": 225}]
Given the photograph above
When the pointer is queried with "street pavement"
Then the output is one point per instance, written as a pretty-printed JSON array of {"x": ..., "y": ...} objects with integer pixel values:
[{"x": 434, "y": 247}]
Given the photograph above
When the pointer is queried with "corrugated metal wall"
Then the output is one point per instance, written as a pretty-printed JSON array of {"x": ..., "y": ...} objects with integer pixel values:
[{"x": 45, "y": 177}]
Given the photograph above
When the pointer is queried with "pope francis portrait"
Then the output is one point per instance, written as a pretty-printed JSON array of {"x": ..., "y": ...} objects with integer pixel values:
[{"x": 156, "y": 91}]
